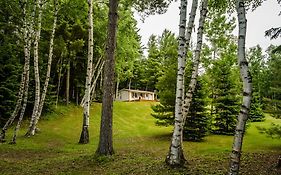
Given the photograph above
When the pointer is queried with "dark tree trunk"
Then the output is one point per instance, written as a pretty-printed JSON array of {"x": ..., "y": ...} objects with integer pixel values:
[
  {"x": 68, "y": 82},
  {"x": 105, "y": 143}
]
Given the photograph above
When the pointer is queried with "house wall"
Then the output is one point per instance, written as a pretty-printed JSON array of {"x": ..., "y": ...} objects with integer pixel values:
[
  {"x": 132, "y": 96},
  {"x": 123, "y": 96}
]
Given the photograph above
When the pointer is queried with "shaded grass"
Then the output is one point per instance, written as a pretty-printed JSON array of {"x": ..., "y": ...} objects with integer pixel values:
[{"x": 140, "y": 146}]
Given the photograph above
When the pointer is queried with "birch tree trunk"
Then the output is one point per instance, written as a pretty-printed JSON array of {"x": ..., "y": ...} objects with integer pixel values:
[
  {"x": 26, "y": 87},
  {"x": 30, "y": 131},
  {"x": 23, "y": 78},
  {"x": 247, "y": 90},
  {"x": 46, "y": 83},
  {"x": 196, "y": 61},
  {"x": 189, "y": 28},
  {"x": 175, "y": 155},
  {"x": 84, "y": 138},
  {"x": 94, "y": 82},
  {"x": 105, "y": 146},
  {"x": 93, "y": 87},
  {"x": 17, "y": 108}
]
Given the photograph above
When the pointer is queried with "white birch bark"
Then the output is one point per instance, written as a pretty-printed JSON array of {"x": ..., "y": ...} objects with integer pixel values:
[
  {"x": 23, "y": 80},
  {"x": 94, "y": 83},
  {"x": 196, "y": 60},
  {"x": 96, "y": 67},
  {"x": 26, "y": 87},
  {"x": 175, "y": 155},
  {"x": 17, "y": 108},
  {"x": 93, "y": 87},
  {"x": 84, "y": 138},
  {"x": 188, "y": 34},
  {"x": 247, "y": 90},
  {"x": 46, "y": 83},
  {"x": 30, "y": 131}
]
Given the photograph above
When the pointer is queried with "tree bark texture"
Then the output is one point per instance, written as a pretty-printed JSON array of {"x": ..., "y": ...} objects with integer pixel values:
[
  {"x": 196, "y": 60},
  {"x": 25, "y": 76},
  {"x": 30, "y": 132},
  {"x": 26, "y": 87},
  {"x": 188, "y": 34},
  {"x": 247, "y": 91},
  {"x": 59, "y": 81},
  {"x": 84, "y": 138},
  {"x": 94, "y": 83},
  {"x": 93, "y": 86},
  {"x": 105, "y": 146},
  {"x": 67, "y": 81},
  {"x": 175, "y": 157},
  {"x": 46, "y": 83}
]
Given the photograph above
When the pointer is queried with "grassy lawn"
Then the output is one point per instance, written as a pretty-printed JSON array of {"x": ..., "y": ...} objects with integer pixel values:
[{"x": 140, "y": 147}]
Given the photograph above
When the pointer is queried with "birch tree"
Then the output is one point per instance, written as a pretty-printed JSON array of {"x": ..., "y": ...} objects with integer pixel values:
[
  {"x": 196, "y": 60},
  {"x": 46, "y": 83},
  {"x": 105, "y": 146},
  {"x": 31, "y": 131},
  {"x": 175, "y": 155},
  {"x": 23, "y": 90},
  {"x": 84, "y": 138},
  {"x": 28, "y": 30},
  {"x": 247, "y": 90}
]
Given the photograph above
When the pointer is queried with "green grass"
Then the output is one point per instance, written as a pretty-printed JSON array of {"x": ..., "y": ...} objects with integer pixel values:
[{"x": 140, "y": 146}]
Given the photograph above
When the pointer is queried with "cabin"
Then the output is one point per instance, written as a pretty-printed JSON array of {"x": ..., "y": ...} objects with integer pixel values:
[{"x": 135, "y": 95}]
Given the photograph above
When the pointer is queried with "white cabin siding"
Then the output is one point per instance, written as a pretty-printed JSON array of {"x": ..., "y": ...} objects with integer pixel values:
[{"x": 134, "y": 95}]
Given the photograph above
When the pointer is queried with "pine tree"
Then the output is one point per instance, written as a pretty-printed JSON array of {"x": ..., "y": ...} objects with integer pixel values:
[
  {"x": 197, "y": 123},
  {"x": 166, "y": 84},
  {"x": 257, "y": 69},
  {"x": 273, "y": 95},
  {"x": 256, "y": 113},
  {"x": 226, "y": 102}
]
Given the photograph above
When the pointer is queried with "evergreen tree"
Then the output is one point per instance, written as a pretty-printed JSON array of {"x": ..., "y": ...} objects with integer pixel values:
[
  {"x": 223, "y": 74},
  {"x": 257, "y": 68},
  {"x": 225, "y": 97},
  {"x": 166, "y": 85},
  {"x": 273, "y": 96},
  {"x": 197, "y": 123}
]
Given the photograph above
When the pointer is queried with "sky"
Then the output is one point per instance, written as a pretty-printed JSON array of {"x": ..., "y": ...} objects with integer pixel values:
[{"x": 263, "y": 18}]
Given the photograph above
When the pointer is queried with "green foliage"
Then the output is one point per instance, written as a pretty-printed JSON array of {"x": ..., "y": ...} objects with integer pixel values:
[
  {"x": 128, "y": 50},
  {"x": 274, "y": 131},
  {"x": 198, "y": 121},
  {"x": 273, "y": 93},
  {"x": 11, "y": 57},
  {"x": 166, "y": 85},
  {"x": 225, "y": 97},
  {"x": 256, "y": 113},
  {"x": 70, "y": 49},
  {"x": 163, "y": 114},
  {"x": 257, "y": 69},
  {"x": 219, "y": 58},
  {"x": 151, "y": 7}
]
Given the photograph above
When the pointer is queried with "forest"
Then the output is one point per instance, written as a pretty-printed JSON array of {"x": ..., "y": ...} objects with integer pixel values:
[{"x": 63, "y": 64}]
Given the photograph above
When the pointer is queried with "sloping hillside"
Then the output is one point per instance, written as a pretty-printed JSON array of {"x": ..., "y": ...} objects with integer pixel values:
[{"x": 140, "y": 147}]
